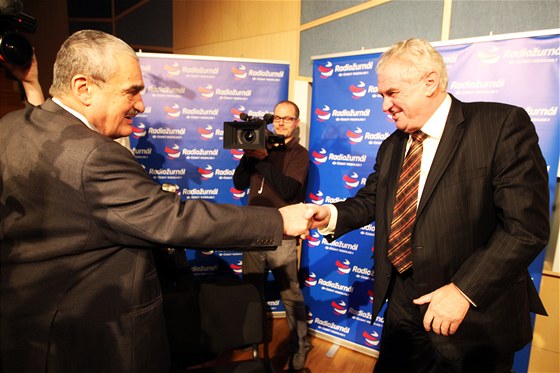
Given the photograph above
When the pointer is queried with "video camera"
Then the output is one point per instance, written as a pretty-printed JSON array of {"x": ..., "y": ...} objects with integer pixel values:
[
  {"x": 251, "y": 133},
  {"x": 15, "y": 49}
]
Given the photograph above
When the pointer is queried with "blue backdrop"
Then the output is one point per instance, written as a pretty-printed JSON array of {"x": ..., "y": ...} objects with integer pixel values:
[{"x": 179, "y": 138}]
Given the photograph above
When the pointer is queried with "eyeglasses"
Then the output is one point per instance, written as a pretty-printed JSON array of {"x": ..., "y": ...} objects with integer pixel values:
[{"x": 287, "y": 120}]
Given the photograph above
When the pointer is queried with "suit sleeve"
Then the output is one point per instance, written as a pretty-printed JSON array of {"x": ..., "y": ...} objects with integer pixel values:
[
  {"x": 358, "y": 211},
  {"x": 132, "y": 209}
]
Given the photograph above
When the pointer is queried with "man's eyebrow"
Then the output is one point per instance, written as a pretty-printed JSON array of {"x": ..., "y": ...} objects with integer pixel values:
[
  {"x": 135, "y": 88},
  {"x": 390, "y": 90}
]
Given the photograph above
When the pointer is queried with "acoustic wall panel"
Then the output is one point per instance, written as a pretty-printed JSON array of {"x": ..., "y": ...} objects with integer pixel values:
[
  {"x": 314, "y": 9},
  {"x": 482, "y": 18},
  {"x": 375, "y": 27}
]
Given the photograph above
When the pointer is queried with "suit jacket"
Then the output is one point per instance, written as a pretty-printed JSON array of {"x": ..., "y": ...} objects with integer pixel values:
[
  {"x": 78, "y": 219},
  {"x": 481, "y": 220}
]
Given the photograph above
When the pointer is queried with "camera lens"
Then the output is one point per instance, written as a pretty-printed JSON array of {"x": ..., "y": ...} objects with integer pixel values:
[
  {"x": 249, "y": 136},
  {"x": 15, "y": 49}
]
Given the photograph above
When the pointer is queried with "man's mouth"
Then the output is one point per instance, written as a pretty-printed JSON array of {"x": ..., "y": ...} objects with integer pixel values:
[
  {"x": 395, "y": 115},
  {"x": 131, "y": 114}
]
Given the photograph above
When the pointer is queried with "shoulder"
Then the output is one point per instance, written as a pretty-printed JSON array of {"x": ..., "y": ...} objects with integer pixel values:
[
  {"x": 14, "y": 116},
  {"x": 481, "y": 106},
  {"x": 487, "y": 117},
  {"x": 297, "y": 148},
  {"x": 487, "y": 108}
]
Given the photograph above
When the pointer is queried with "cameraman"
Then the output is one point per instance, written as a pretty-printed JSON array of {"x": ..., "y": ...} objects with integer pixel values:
[{"x": 276, "y": 177}]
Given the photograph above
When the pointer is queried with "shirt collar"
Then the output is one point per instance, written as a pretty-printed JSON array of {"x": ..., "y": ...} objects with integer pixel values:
[
  {"x": 435, "y": 125},
  {"x": 75, "y": 113}
]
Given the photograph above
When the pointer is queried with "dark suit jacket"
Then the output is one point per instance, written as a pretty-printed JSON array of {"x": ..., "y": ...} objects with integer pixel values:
[
  {"x": 482, "y": 219},
  {"x": 78, "y": 219}
]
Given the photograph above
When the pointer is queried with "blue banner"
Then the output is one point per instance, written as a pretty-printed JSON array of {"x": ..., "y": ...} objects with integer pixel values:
[
  {"x": 179, "y": 137},
  {"x": 347, "y": 126}
]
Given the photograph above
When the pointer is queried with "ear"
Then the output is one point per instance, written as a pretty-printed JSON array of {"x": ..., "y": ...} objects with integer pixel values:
[
  {"x": 431, "y": 82},
  {"x": 81, "y": 88}
]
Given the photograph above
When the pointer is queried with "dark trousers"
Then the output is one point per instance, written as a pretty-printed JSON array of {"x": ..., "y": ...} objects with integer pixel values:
[
  {"x": 283, "y": 263},
  {"x": 406, "y": 346}
]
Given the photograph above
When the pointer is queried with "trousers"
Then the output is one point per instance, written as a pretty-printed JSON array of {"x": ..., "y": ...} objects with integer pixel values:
[
  {"x": 406, "y": 346},
  {"x": 283, "y": 264}
]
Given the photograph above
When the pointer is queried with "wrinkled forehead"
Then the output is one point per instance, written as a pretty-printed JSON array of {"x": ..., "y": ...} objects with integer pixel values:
[
  {"x": 128, "y": 73},
  {"x": 398, "y": 72}
]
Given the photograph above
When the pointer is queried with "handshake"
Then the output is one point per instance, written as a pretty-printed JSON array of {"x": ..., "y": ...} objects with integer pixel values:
[{"x": 300, "y": 218}]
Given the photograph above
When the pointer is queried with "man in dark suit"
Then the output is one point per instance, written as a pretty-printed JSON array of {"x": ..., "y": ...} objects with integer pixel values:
[
  {"x": 79, "y": 218},
  {"x": 461, "y": 298}
]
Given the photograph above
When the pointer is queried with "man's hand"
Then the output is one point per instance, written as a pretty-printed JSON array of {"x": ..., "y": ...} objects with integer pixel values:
[
  {"x": 25, "y": 74},
  {"x": 446, "y": 310},
  {"x": 321, "y": 216},
  {"x": 297, "y": 220},
  {"x": 29, "y": 77},
  {"x": 256, "y": 153}
]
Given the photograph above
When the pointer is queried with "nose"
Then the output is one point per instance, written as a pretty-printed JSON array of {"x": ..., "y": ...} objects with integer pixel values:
[
  {"x": 387, "y": 104},
  {"x": 139, "y": 104}
]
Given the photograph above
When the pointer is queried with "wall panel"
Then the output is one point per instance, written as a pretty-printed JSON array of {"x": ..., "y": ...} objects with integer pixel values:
[
  {"x": 199, "y": 23},
  {"x": 480, "y": 18},
  {"x": 375, "y": 27},
  {"x": 314, "y": 9}
]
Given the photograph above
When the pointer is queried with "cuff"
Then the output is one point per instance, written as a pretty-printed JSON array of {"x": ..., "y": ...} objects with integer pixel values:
[
  {"x": 467, "y": 298},
  {"x": 329, "y": 229}
]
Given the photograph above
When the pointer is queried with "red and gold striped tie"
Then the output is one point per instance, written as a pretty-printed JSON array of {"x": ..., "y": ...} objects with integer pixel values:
[{"x": 404, "y": 212}]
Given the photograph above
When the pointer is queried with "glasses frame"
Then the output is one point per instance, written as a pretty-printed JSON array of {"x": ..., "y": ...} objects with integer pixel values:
[{"x": 287, "y": 119}]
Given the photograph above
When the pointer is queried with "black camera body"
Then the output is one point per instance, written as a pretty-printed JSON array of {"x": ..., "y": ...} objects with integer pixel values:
[
  {"x": 251, "y": 134},
  {"x": 244, "y": 135},
  {"x": 15, "y": 49}
]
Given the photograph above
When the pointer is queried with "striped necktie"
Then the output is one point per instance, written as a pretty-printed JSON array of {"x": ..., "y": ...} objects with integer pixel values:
[{"x": 404, "y": 213}]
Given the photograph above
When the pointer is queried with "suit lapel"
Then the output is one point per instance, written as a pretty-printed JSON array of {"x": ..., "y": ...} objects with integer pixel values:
[
  {"x": 450, "y": 139},
  {"x": 397, "y": 158}
]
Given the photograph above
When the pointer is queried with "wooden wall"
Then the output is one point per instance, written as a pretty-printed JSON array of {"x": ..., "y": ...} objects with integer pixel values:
[{"x": 266, "y": 29}]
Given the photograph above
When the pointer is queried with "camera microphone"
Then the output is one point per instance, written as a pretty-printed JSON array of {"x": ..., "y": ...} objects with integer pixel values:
[
  {"x": 245, "y": 117},
  {"x": 267, "y": 118}
]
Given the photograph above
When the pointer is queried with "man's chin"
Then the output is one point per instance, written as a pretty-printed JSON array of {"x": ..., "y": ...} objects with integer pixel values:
[
  {"x": 401, "y": 126},
  {"x": 125, "y": 131},
  {"x": 406, "y": 126},
  {"x": 119, "y": 135}
]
